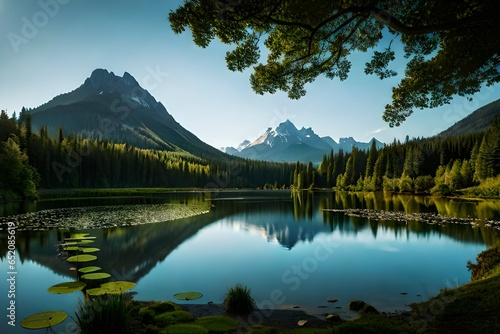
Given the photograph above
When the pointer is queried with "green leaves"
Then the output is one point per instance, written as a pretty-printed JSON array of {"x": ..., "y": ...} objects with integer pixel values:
[
  {"x": 459, "y": 43},
  {"x": 113, "y": 288},
  {"x": 81, "y": 258},
  {"x": 44, "y": 319},
  {"x": 244, "y": 55},
  {"x": 188, "y": 295},
  {"x": 378, "y": 64},
  {"x": 66, "y": 287}
]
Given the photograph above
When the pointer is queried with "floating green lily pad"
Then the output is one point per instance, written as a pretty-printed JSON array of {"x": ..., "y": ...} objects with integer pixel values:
[
  {"x": 44, "y": 319},
  {"x": 89, "y": 269},
  {"x": 112, "y": 288},
  {"x": 118, "y": 286},
  {"x": 188, "y": 295},
  {"x": 79, "y": 239},
  {"x": 89, "y": 249},
  {"x": 66, "y": 287},
  {"x": 70, "y": 243},
  {"x": 81, "y": 258},
  {"x": 93, "y": 276},
  {"x": 82, "y": 249},
  {"x": 79, "y": 235},
  {"x": 97, "y": 291},
  {"x": 83, "y": 241}
]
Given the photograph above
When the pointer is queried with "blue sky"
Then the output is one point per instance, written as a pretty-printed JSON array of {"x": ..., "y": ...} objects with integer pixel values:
[{"x": 49, "y": 47}]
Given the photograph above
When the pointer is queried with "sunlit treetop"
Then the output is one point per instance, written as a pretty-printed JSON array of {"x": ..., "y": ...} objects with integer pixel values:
[{"x": 452, "y": 47}]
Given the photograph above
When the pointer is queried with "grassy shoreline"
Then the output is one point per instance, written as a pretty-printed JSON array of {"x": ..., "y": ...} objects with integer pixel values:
[{"x": 469, "y": 308}]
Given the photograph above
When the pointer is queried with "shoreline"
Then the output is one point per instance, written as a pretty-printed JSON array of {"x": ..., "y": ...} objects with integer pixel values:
[{"x": 282, "y": 319}]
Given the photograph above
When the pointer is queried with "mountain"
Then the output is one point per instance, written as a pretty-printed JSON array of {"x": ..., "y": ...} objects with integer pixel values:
[
  {"x": 478, "y": 121},
  {"x": 287, "y": 143},
  {"x": 118, "y": 109}
]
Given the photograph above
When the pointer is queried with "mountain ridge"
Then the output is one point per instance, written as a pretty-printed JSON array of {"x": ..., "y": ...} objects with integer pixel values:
[
  {"x": 113, "y": 108},
  {"x": 476, "y": 121},
  {"x": 287, "y": 143}
]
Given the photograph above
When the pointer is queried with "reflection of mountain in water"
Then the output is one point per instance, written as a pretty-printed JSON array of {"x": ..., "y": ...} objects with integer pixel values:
[
  {"x": 126, "y": 253},
  {"x": 276, "y": 218}
]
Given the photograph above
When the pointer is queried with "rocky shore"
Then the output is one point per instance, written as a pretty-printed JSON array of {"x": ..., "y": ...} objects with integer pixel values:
[{"x": 423, "y": 217}]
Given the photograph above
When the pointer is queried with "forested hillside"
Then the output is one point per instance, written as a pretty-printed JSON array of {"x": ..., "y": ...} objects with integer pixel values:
[
  {"x": 439, "y": 165},
  {"x": 442, "y": 165},
  {"x": 29, "y": 159}
]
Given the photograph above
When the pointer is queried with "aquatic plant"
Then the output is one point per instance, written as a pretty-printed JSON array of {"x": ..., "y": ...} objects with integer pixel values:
[
  {"x": 67, "y": 287},
  {"x": 188, "y": 295},
  {"x": 239, "y": 301},
  {"x": 111, "y": 288},
  {"x": 89, "y": 269},
  {"x": 81, "y": 258},
  {"x": 44, "y": 320}
]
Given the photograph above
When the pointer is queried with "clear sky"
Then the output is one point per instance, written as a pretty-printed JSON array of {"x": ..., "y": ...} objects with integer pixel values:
[{"x": 49, "y": 47}]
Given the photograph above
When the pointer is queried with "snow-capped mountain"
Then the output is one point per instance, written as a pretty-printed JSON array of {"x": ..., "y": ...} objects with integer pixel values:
[
  {"x": 118, "y": 109},
  {"x": 287, "y": 143}
]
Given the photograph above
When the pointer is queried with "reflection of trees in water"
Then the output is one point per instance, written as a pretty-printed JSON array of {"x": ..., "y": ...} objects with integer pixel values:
[{"x": 411, "y": 204}]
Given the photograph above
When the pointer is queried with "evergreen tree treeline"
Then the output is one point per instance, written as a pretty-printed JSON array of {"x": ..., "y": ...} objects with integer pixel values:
[
  {"x": 438, "y": 165},
  {"x": 70, "y": 161},
  {"x": 433, "y": 165}
]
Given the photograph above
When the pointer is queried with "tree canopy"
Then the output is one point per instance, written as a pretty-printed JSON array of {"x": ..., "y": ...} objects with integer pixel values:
[{"x": 452, "y": 47}]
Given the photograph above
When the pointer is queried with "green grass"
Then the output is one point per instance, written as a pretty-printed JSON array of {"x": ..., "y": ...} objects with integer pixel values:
[
  {"x": 218, "y": 324},
  {"x": 173, "y": 317},
  {"x": 105, "y": 314},
  {"x": 239, "y": 301},
  {"x": 184, "y": 329},
  {"x": 489, "y": 188}
]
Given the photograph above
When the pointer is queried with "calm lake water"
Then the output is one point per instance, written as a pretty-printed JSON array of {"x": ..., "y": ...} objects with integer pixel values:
[{"x": 287, "y": 250}]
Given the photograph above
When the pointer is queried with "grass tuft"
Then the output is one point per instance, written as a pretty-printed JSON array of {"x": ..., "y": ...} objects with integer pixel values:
[{"x": 239, "y": 301}]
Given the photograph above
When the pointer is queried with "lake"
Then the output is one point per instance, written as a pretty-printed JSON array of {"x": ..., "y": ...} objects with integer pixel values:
[{"x": 287, "y": 249}]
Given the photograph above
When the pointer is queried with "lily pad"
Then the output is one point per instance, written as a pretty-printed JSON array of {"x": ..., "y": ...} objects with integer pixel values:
[
  {"x": 93, "y": 276},
  {"x": 89, "y": 249},
  {"x": 83, "y": 241},
  {"x": 66, "y": 287},
  {"x": 79, "y": 235},
  {"x": 188, "y": 295},
  {"x": 81, "y": 258},
  {"x": 97, "y": 291},
  {"x": 82, "y": 249},
  {"x": 113, "y": 288},
  {"x": 44, "y": 319},
  {"x": 118, "y": 286},
  {"x": 89, "y": 269}
]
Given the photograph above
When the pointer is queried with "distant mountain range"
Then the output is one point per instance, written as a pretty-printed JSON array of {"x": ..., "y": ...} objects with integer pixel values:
[
  {"x": 118, "y": 109},
  {"x": 287, "y": 143},
  {"x": 478, "y": 121}
]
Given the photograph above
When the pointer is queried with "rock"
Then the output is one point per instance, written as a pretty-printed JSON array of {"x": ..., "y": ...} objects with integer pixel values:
[
  {"x": 333, "y": 317},
  {"x": 368, "y": 309},
  {"x": 356, "y": 305},
  {"x": 332, "y": 300}
]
